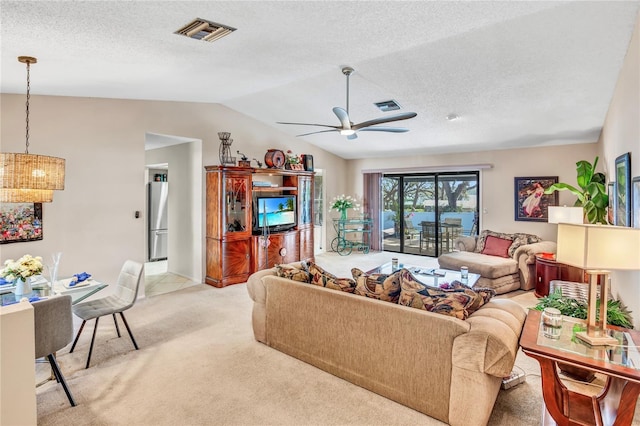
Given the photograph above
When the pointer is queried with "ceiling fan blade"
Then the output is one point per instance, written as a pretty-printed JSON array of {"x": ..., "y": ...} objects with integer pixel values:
[
  {"x": 397, "y": 117},
  {"x": 385, "y": 129},
  {"x": 343, "y": 117},
  {"x": 309, "y": 124},
  {"x": 320, "y": 131}
]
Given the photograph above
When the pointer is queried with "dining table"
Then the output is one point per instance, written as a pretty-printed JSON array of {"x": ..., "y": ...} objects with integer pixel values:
[
  {"x": 448, "y": 233},
  {"x": 41, "y": 288}
]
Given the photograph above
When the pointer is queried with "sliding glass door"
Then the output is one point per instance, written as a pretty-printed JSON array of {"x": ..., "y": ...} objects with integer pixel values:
[{"x": 436, "y": 208}]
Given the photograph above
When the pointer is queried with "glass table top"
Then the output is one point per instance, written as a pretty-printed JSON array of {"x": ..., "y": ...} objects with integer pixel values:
[
  {"x": 43, "y": 290},
  {"x": 626, "y": 353},
  {"x": 429, "y": 276}
]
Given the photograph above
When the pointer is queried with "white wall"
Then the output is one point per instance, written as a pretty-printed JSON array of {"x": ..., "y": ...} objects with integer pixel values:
[
  {"x": 92, "y": 221},
  {"x": 497, "y": 183},
  {"x": 185, "y": 224},
  {"x": 621, "y": 134}
]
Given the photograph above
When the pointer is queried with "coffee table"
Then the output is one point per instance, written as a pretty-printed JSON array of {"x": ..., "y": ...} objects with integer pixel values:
[{"x": 429, "y": 276}]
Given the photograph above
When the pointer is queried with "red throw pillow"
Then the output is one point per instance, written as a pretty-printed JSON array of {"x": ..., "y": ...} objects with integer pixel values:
[{"x": 495, "y": 246}]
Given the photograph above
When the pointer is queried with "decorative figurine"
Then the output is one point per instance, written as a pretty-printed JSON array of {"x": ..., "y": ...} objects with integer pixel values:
[
  {"x": 225, "y": 149},
  {"x": 244, "y": 160}
]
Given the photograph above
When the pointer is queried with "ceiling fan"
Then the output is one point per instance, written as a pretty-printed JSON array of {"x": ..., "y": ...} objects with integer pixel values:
[{"x": 348, "y": 129}]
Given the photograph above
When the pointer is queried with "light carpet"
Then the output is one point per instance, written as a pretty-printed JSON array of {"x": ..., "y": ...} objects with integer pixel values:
[{"x": 198, "y": 364}]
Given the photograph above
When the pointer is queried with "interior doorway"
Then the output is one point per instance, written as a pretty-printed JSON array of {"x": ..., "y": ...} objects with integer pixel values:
[
  {"x": 424, "y": 213},
  {"x": 177, "y": 163}
]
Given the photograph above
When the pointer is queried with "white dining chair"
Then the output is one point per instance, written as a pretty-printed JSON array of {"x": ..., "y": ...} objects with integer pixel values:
[{"x": 124, "y": 297}]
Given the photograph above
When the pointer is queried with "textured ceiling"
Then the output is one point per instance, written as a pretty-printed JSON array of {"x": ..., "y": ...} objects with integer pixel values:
[{"x": 517, "y": 73}]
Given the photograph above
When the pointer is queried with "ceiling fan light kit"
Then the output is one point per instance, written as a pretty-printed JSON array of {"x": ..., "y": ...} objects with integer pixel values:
[{"x": 348, "y": 128}]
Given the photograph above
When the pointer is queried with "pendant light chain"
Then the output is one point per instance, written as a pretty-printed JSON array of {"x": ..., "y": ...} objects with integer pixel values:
[{"x": 26, "y": 151}]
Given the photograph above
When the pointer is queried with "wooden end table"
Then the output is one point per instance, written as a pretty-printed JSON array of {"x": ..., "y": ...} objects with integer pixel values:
[
  {"x": 616, "y": 403},
  {"x": 547, "y": 270}
]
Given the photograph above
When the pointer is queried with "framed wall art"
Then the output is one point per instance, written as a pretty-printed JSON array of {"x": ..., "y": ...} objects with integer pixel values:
[
  {"x": 635, "y": 201},
  {"x": 611, "y": 208},
  {"x": 20, "y": 222},
  {"x": 531, "y": 203},
  {"x": 623, "y": 190}
]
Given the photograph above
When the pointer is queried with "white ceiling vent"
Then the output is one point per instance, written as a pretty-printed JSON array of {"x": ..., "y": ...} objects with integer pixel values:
[
  {"x": 387, "y": 106},
  {"x": 201, "y": 29}
]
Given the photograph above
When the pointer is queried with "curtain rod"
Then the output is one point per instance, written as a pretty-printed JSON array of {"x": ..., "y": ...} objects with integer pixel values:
[{"x": 465, "y": 168}]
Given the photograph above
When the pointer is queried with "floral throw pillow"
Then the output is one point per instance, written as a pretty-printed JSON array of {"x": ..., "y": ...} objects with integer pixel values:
[
  {"x": 521, "y": 239},
  {"x": 326, "y": 279},
  {"x": 384, "y": 287},
  {"x": 293, "y": 273},
  {"x": 482, "y": 295},
  {"x": 458, "y": 303}
]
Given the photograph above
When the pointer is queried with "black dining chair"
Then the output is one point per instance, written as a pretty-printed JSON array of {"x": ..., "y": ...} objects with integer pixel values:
[
  {"x": 124, "y": 297},
  {"x": 53, "y": 324}
]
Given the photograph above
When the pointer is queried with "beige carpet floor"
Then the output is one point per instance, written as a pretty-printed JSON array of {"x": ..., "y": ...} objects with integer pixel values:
[{"x": 198, "y": 364}]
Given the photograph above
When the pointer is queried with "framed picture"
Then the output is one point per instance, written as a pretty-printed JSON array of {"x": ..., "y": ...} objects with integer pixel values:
[
  {"x": 623, "y": 190},
  {"x": 20, "y": 222},
  {"x": 635, "y": 199},
  {"x": 531, "y": 203},
  {"x": 611, "y": 208}
]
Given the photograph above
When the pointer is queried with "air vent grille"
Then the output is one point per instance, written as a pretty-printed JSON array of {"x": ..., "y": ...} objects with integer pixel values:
[
  {"x": 387, "y": 106},
  {"x": 201, "y": 29}
]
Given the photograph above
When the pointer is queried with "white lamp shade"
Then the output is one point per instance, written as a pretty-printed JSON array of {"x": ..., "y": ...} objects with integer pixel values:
[
  {"x": 599, "y": 246},
  {"x": 566, "y": 214}
]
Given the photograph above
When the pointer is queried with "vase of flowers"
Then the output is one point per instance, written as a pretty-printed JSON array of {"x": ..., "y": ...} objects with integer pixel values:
[
  {"x": 293, "y": 161},
  {"x": 343, "y": 203},
  {"x": 20, "y": 271}
]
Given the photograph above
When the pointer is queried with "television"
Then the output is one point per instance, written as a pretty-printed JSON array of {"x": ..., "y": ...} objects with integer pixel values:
[{"x": 274, "y": 213}]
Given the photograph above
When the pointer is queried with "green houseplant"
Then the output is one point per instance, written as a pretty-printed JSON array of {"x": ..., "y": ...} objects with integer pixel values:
[
  {"x": 617, "y": 313},
  {"x": 592, "y": 191}
]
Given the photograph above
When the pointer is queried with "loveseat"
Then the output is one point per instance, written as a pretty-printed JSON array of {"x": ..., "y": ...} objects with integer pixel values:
[
  {"x": 505, "y": 262},
  {"x": 445, "y": 367}
]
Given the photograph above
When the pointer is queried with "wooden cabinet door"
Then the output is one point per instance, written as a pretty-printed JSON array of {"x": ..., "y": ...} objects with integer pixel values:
[
  {"x": 306, "y": 244},
  {"x": 236, "y": 255},
  {"x": 282, "y": 248}
]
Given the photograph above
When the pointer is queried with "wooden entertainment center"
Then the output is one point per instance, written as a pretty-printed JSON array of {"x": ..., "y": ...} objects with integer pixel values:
[{"x": 235, "y": 249}]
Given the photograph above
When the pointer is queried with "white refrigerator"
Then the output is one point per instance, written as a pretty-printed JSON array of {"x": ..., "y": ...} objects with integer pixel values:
[{"x": 157, "y": 203}]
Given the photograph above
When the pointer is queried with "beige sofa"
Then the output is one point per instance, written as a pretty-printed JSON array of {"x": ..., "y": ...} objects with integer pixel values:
[
  {"x": 444, "y": 367},
  {"x": 503, "y": 274}
]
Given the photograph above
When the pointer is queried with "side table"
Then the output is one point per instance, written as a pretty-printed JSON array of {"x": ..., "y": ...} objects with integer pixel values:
[
  {"x": 548, "y": 270},
  {"x": 616, "y": 403}
]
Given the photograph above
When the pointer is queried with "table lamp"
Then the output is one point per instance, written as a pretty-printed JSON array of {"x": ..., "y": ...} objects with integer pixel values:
[
  {"x": 565, "y": 214},
  {"x": 598, "y": 249}
]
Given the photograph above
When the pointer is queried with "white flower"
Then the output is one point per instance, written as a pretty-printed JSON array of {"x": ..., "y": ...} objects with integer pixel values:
[
  {"x": 344, "y": 202},
  {"x": 24, "y": 267}
]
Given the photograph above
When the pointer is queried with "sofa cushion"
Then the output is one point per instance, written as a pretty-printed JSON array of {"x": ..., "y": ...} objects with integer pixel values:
[
  {"x": 478, "y": 263},
  {"x": 293, "y": 273},
  {"x": 454, "y": 302},
  {"x": 494, "y": 246},
  {"x": 326, "y": 279},
  {"x": 377, "y": 286},
  {"x": 483, "y": 237}
]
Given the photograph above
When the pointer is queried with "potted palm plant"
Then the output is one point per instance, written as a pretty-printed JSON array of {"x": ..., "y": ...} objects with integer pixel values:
[{"x": 591, "y": 192}]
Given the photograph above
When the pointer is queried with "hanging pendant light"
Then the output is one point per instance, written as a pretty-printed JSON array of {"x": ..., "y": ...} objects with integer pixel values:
[{"x": 29, "y": 178}]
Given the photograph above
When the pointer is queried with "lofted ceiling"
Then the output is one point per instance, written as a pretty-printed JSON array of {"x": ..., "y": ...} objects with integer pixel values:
[{"x": 516, "y": 73}]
